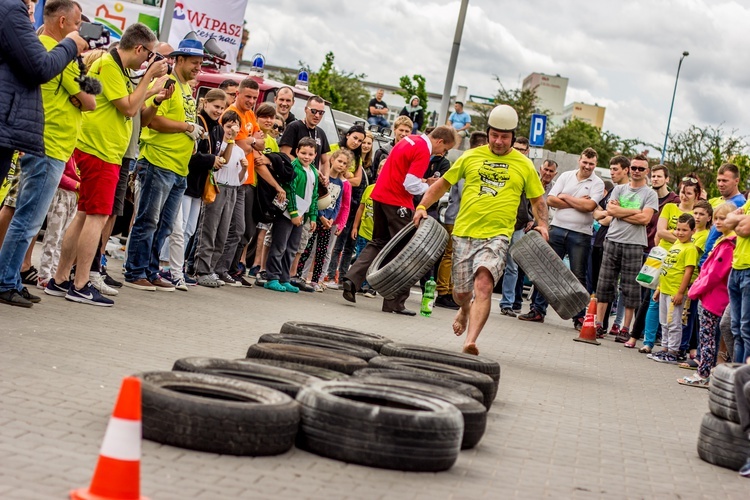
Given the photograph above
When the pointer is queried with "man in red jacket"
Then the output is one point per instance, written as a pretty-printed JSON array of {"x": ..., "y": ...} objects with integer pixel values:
[{"x": 393, "y": 203}]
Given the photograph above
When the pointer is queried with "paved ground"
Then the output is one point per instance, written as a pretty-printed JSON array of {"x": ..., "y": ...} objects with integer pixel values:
[{"x": 570, "y": 420}]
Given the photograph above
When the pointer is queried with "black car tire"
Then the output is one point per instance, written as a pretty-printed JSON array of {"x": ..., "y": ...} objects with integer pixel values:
[
  {"x": 314, "y": 356},
  {"x": 313, "y": 371},
  {"x": 426, "y": 378},
  {"x": 331, "y": 345},
  {"x": 721, "y": 398},
  {"x": 370, "y": 340},
  {"x": 722, "y": 443}
]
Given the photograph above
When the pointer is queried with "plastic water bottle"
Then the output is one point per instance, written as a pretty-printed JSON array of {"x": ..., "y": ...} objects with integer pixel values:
[{"x": 428, "y": 298}]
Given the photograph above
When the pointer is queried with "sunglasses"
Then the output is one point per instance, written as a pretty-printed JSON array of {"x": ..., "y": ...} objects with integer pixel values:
[
  {"x": 280, "y": 128},
  {"x": 638, "y": 169},
  {"x": 319, "y": 112},
  {"x": 690, "y": 180},
  {"x": 151, "y": 54}
]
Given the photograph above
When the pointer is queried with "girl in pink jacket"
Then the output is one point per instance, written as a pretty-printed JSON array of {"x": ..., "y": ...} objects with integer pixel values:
[{"x": 711, "y": 289}]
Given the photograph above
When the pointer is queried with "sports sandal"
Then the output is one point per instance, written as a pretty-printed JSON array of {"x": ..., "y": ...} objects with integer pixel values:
[
  {"x": 694, "y": 380},
  {"x": 690, "y": 364}
]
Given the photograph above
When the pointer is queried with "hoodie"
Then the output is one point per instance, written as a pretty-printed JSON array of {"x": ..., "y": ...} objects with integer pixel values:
[{"x": 415, "y": 113}]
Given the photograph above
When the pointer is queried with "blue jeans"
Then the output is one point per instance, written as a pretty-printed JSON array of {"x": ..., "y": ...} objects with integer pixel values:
[
  {"x": 651, "y": 328},
  {"x": 577, "y": 246},
  {"x": 739, "y": 302},
  {"x": 380, "y": 121},
  {"x": 40, "y": 176},
  {"x": 161, "y": 195},
  {"x": 511, "y": 275}
]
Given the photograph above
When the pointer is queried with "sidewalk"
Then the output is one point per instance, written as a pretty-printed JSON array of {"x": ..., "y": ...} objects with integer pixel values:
[{"x": 571, "y": 420}]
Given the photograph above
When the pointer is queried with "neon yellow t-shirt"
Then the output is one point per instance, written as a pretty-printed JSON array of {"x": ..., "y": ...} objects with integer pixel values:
[
  {"x": 680, "y": 256},
  {"x": 336, "y": 147},
  {"x": 171, "y": 151},
  {"x": 671, "y": 212},
  {"x": 366, "y": 223},
  {"x": 741, "y": 259},
  {"x": 63, "y": 119},
  {"x": 699, "y": 240},
  {"x": 271, "y": 145},
  {"x": 105, "y": 132},
  {"x": 492, "y": 191}
]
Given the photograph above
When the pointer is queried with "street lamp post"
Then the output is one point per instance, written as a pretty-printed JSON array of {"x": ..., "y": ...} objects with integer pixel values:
[
  {"x": 443, "y": 116},
  {"x": 671, "y": 107}
]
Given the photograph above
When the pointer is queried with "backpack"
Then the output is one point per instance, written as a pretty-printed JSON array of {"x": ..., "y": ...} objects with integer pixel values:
[{"x": 282, "y": 170}]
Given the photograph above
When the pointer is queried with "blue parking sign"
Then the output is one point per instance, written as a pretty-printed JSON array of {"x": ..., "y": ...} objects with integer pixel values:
[{"x": 538, "y": 129}]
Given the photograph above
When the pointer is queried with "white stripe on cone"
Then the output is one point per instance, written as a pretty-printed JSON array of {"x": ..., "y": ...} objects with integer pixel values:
[{"x": 122, "y": 441}]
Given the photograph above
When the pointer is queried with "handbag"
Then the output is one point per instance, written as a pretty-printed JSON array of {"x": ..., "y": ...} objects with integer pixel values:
[{"x": 210, "y": 188}]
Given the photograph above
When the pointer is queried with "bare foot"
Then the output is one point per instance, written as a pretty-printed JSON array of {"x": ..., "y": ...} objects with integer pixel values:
[
  {"x": 460, "y": 323},
  {"x": 471, "y": 349}
]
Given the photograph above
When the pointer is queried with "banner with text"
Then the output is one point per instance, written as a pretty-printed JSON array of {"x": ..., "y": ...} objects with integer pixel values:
[
  {"x": 210, "y": 19},
  {"x": 117, "y": 16}
]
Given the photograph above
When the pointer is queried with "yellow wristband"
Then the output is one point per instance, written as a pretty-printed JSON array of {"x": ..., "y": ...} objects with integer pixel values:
[
  {"x": 421, "y": 207},
  {"x": 230, "y": 141}
]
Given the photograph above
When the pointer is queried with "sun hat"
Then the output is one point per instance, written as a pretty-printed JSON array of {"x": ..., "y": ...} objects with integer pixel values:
[{"x": 188, "y": 48}]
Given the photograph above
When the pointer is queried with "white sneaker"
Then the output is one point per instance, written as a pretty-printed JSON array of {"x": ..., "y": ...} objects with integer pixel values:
[
  {"x": 98, "y": 282},
  {"x": 332, "y": 285}
]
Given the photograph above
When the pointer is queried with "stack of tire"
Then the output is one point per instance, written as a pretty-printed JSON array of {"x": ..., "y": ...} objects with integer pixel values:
[
  {"x": 339, "y": 393},
  {"x": 720, "y": 440}
]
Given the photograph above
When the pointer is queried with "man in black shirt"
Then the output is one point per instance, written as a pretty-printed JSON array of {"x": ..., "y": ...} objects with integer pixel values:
[
  {"x": 308, "y": 127},
  {"x": 377, "y": 111}
]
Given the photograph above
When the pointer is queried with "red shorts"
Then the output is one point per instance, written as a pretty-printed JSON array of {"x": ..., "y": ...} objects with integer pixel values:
[{"x": 98, "y": 183}]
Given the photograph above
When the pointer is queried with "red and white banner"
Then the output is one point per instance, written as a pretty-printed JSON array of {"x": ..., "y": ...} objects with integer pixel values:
[{"x": 221, "y": 20}]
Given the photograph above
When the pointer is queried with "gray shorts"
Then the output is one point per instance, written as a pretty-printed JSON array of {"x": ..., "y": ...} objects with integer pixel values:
[
  {"x": 118, "y": 207},
  {"x": 470, "y": 254},
  {"x": 306, "y": 235}
]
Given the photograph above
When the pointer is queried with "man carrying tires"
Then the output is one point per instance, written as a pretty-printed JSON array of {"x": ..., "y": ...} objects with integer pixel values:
[
  {"x": 494, "y": 176},
  {"x": 393, "y": 204}
]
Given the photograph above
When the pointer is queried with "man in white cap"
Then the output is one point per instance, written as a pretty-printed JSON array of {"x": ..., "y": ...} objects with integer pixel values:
[
  {"x": 494, "y": 176},
  {"x": 167, "y": 141}
]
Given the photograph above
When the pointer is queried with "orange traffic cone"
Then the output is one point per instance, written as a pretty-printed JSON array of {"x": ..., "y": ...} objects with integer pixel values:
[
  {"x": 117, "y": 474},
  {"x": 588, "y": 331}
]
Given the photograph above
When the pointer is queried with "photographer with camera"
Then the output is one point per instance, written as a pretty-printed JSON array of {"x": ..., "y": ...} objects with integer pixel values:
[
  {"x": 64, "y": 100},
  {"x": 26, "y": 64},
  {"x": 166, "y": 147},
  {"x": 104, "y": 137}
]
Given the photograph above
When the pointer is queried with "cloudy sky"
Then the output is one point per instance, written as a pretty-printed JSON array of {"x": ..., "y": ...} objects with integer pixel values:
[{"x": 622, "y": 55}]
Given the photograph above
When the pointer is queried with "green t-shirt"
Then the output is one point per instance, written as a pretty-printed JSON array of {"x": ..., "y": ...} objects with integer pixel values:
[
  {"x": 171, "y": 151},
  {"x": 492, "y": 191},
  {"x": 680, "y": 256},
  {"x": 105, "y": 132},
  {"x": 62, "y": 119},
  {"x": 741, "y": 259},
  {"x": 366, "y": 223},
  {"x": 671, "y": 212}
]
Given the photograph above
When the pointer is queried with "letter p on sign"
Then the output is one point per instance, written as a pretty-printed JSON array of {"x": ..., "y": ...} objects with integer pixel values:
[{"x": 538, "y": 128}]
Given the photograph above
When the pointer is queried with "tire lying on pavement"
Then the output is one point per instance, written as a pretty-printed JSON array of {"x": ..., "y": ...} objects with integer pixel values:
[
  {"x": 314, "y": 371},
  {"x": 217, "y": 414},
  {"x": 479, "y": 364},
  {"x": 722, "y": 443},
  {"x": 331, "y": 345},
  {"x": 379, "y": 427},
  {"x": 369, "y": 340},
  {"x": 407, "y": 257},
  {"x": 483, "y": 382},
  {"x": 550, "y": 275},
  {"x": 721, "y": 398},
  {"x": 474, "y": 413},
  {"x": 725, "y": 326},
  {"x": 287, "y": 381},
  {"x": 314, "y": 356},
  {"x": 424, "y": 378}
]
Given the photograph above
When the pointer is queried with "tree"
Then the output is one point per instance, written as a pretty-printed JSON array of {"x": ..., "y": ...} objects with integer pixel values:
[
  {"x": 524, "y": 101},
  {"x": 702, "y": 151},
  {"x": 576, "y": 135},
  {"x": 414, "y": 86},
  {"x": 344, "y": 90}
]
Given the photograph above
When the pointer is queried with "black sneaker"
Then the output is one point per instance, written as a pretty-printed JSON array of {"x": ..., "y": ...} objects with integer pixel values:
[
  {"x": 262, "y": 278},
  {"x": 110, "y": 281},
  {"x": 229, "y": 279},
  {"x": 14, "y": 298},
  {"x": 57, "y": 289},
  {"x": 28, "y": 296},
  {"x": 245, "y": 282},
  {"x": 578, "y": 324},
  {"x": 681, "y": 356},
  {"x": 532, "y": 316},
  {"x": 88, "y": 295},
  {"x": 447, "y": 302},
  {"x": 507, "y": 311},
  {"x": 29, "y": 276},
  {"x": 601, "y": 332}
]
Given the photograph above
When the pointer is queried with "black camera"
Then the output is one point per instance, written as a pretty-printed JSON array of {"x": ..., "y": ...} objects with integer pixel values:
[
  {"x": 95, "y": 34},
  {"x": 159, "y": 57}
]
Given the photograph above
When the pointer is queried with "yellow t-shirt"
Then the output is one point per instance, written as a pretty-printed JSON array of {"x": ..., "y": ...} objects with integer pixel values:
[
  {"x": 492, "y": 191},
  {"x": 699, "y": 240},
  {"x": 366, "y": 224},
  {"x": 336, "y": 147},
  {"x": 671, "y": 212},
  {"x": 271, "y": 145},
  {"x": 171, "y": 151},
  {"x": 741, "y": 259},
  {"x": 62, "y": 119},
  {"x": 680, "y": 256},
  {"x": 105, "y": 132}
]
